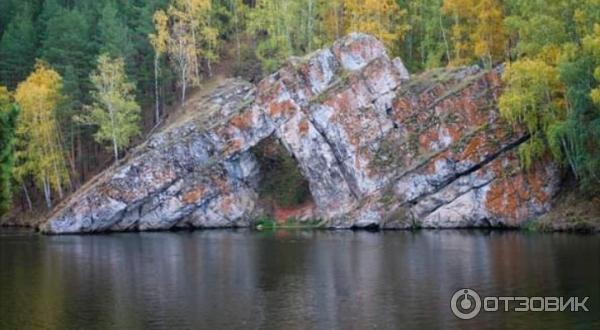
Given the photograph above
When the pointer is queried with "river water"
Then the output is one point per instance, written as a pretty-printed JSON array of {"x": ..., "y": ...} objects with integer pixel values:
[{"x": 290, "y": 279}]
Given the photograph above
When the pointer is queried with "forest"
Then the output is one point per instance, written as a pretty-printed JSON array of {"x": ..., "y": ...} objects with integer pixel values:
[{"x": 82, "y": 81}]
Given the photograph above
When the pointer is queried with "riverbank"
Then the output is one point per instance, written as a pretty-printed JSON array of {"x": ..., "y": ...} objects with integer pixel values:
[
  {"x": 570, "y": 213},
  {"x": 21, "y": 220}
]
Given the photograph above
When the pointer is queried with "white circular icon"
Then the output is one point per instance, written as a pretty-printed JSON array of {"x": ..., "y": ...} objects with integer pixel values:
[{"x": 465, "y": 304}]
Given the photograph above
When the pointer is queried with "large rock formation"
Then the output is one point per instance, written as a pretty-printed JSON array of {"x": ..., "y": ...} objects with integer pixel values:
[{"x": 378, "y": 148}]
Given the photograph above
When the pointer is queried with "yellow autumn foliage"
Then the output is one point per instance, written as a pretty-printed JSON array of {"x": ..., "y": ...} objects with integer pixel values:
[
  {"x": 380, "y": 18},
  {"x": 39, "y": 149}
]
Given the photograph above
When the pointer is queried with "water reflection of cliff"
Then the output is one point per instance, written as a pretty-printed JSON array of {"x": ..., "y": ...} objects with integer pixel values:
[{"x": 286, "y": 279}]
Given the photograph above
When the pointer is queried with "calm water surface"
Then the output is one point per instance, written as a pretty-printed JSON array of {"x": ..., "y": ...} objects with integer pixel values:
[{"x": 289, "y": 280}]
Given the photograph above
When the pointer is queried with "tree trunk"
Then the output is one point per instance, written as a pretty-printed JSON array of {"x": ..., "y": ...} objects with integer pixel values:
[
  {"x": 195, "y": 63},
  {"x": 183, "y": 86},
  {"x": 309, "y": 24},
  {"x": 82, "y": 161},
  {"x": 59, "y": 179},
  {"x": 47, "y": 193},
  {"x": 115, "y": 149},
  {"x": 338, "y": 22},
  {"x": 237, "y": 32},
  {"x": 156, "y": 96},
  {"x": 445, "y": 40},
  {"x": 114, "y": 135},
  {"x": 73, "y": 161},
  {"x": 27, "y": 198}
]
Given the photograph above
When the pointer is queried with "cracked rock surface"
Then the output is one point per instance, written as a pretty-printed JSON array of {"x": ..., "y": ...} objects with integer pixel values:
[{"x": 378, "y": 147}]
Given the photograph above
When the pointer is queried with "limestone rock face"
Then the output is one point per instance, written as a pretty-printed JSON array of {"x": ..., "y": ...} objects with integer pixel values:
[
  {"x": 179, "y": 177},
  {"x": 378, "y": 148}
]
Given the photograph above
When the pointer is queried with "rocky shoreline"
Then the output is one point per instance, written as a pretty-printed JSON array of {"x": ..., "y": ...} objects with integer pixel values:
[{"x": 541, "y": 225}]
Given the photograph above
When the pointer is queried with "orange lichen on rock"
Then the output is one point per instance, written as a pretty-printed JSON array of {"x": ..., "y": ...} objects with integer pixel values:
[
  {"x": 537, "y": 180},
  {"x": 303, "y": 127},
  {"x": 504, "y": 198},
  {"x": 475, "y": 148},
  {"x": 302, "y": 212},
  {"x": 227, "y": 203},
  {"x": 455, "y": 132},
  {"x": 427, "y": 138},
  {"x": 242, "y": 121},
  {"x": 402, "y": 109},
  {"x": 342, "y": 102},
  {"x": 431, "y": 166},
  {"x": 276, "y": 109},
  {"x": 347, "y": 115},
  {"x": 464, "y": 108},
  {"x": 126, "y": 194},
  {"x": 354, "y": 96},
  {"x": 510, "y": 193},
  {"x": 268, "y": 90},
  {"x": 494, "y": 82},
  {"x": 233, "y": 146},
  {"x": 314, "y": 74},
  {"x": 432, "y": 94},
  {"x": 194, "y": 196}
]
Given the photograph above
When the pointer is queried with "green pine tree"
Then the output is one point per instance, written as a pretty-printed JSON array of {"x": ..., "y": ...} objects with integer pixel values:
[
  {"x": 67, "y": 45},
  {"x": 112, "y": 34},
  {"x": 17, "y": 50},
  {"x": 8, "y": 119}
]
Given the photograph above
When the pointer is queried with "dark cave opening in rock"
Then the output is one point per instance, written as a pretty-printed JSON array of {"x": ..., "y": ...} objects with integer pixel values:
[{"x": 283, "y": 190}]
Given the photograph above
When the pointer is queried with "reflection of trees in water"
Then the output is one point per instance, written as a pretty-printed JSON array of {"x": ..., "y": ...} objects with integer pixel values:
[
  {"x": 89, "y": 267},
  {"x": 31, "y": 293},
  {"x": 543, "y": 265},
  {"x": 286, "y": 279},
  {"x": 165, "y": 280}
]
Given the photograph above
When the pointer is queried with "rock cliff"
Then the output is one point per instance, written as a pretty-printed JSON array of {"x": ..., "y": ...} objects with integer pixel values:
[{"x": 379, "y": 149}]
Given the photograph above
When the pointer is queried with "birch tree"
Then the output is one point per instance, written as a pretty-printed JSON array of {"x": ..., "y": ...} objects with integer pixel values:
[
  {"x": 478, "y": 30},
  {"x": 159, "y": 41},
  {"x": 190, "y": 36},
  {"x": 381, "y": 18},
  {"x": 40, "y": 153},
  {"x": 114, "y": 111}
]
